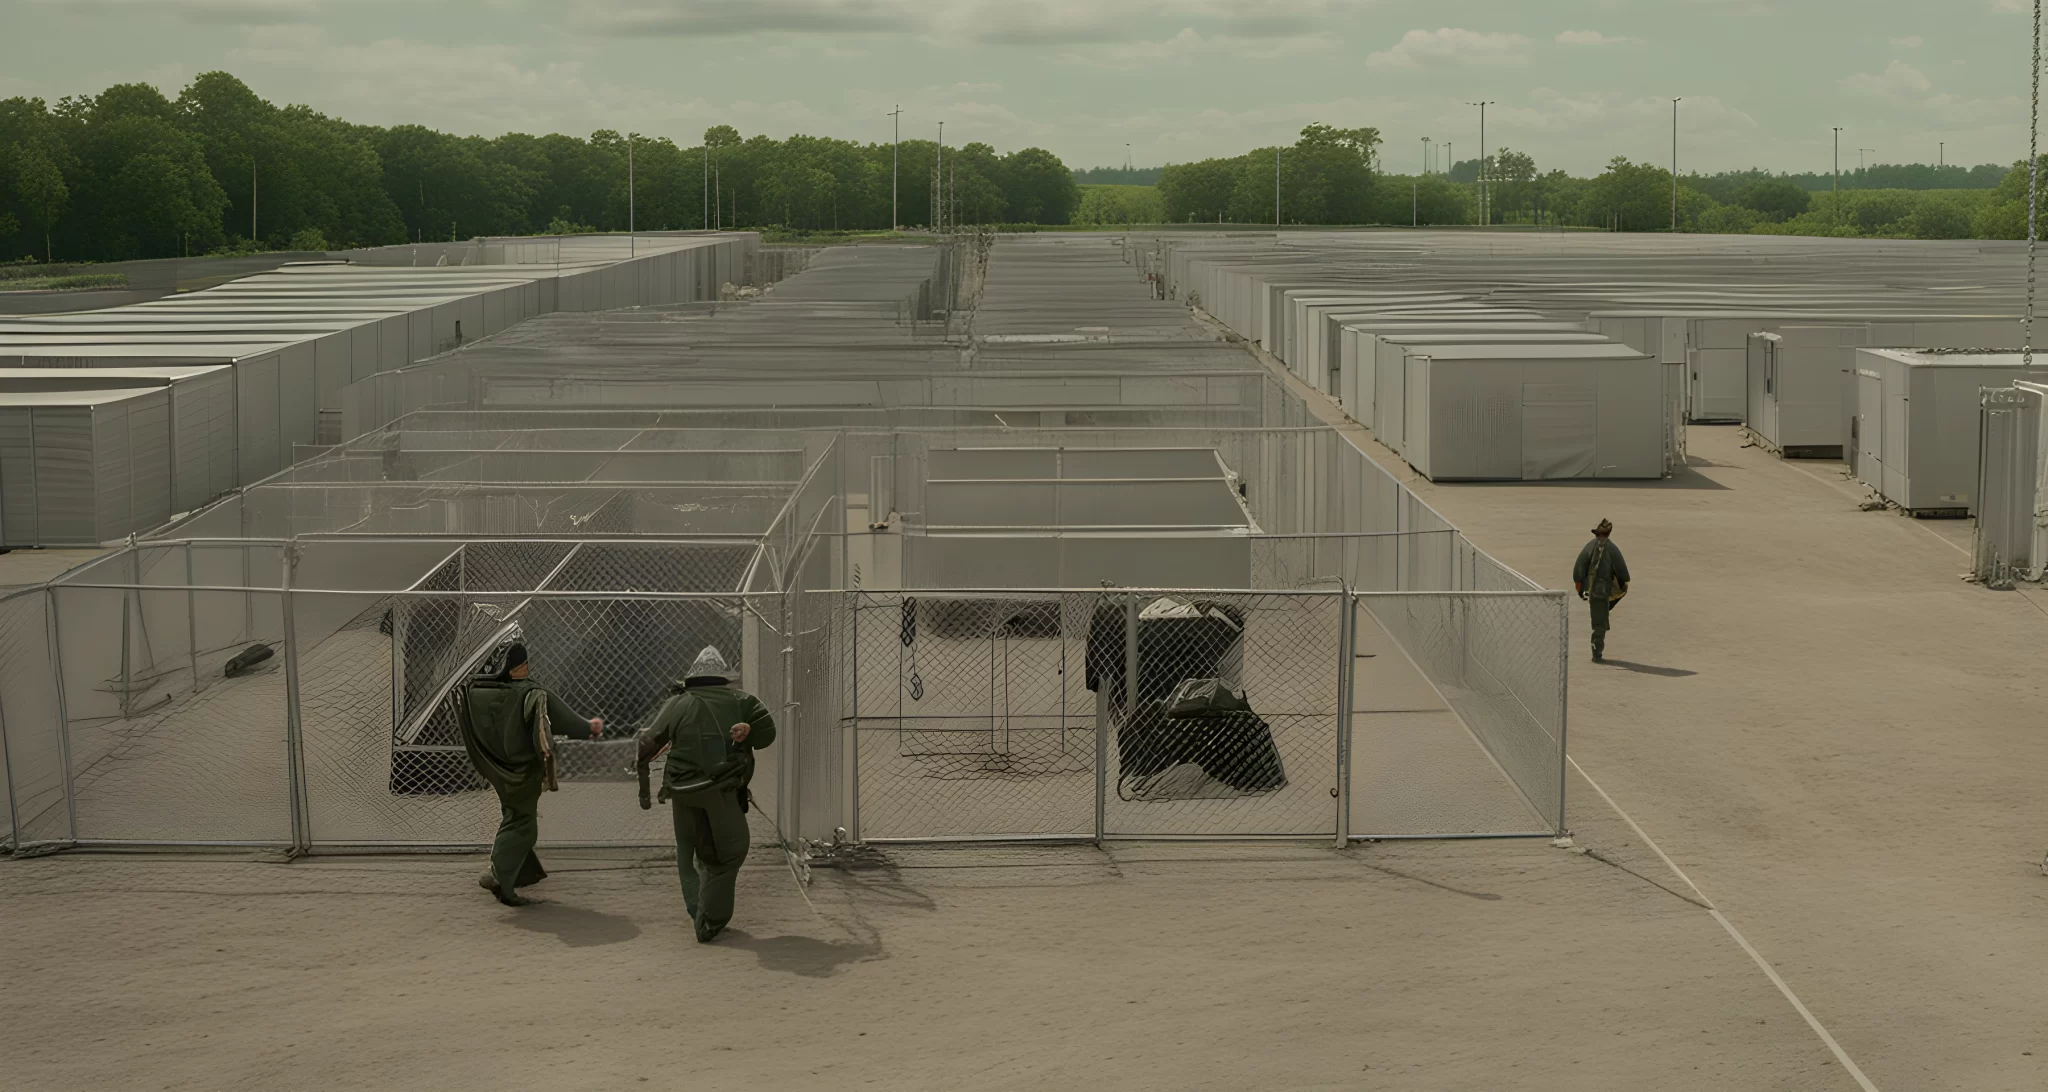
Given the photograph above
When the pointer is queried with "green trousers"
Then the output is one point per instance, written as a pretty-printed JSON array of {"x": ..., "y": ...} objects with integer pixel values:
[
  {"x": 518, "y": 830},
  {"x": 1601, "y": 605},
  {"x": 711, "y": 844}
]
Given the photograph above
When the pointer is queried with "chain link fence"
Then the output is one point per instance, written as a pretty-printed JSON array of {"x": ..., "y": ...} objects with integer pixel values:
[{"x": 905, "y": 716}]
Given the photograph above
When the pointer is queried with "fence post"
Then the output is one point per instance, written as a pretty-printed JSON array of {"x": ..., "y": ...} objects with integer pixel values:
[
  {"x": 7, "y": 767},
  {"x": 130, "y": 606},
  {"x": 294, "y": 740},
  {"x": 1347, "y": 665},
  {"x": 63, "y": 721},
  {"x": 852, "y": 719},
  {"x": 191, "y": 619},
  {"x": 1564, "y": 657}
]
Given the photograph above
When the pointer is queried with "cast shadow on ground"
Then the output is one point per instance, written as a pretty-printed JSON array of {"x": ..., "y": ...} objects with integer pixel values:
[
  {"x": 1646, "y": 669},
  {"x": 1483, "y": 896},
  {"x": 576, "y": 926},
  {"x": 806, "y": 956}
]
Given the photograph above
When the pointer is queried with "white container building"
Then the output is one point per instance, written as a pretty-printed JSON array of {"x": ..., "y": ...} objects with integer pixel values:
[
  {"x": 1918, "y": 424},
  {"x": 1800, "y": 386},
  {"x": 1532, "y": 412},
  {"x": 81, "y": 468}
]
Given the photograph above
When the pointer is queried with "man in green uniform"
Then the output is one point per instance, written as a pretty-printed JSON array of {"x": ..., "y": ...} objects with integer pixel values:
[
  {"x": 711, "y": 730},
  {"x": 508, "y": 725},
  {"x": 1601, "y": 577}
]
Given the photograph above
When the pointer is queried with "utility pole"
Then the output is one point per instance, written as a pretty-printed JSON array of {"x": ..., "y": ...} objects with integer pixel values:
[
  {"x": 895, "y": 162},
  {"x": 1485, "y": 210},
  {"x": 1836, "y": 196},
  {"x": 1674, "y": 162}
]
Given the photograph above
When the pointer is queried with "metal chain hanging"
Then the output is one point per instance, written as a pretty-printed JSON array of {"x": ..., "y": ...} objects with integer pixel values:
[{"x": 2033, "y": 198}]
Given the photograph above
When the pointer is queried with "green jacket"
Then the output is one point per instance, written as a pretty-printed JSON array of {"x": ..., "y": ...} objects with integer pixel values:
[
  {"x": 1600, "y": 571},
  {"x": 500, "y": 731},
  {"x": 696, "y": 727}
]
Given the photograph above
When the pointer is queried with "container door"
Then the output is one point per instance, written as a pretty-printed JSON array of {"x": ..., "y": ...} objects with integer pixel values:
[{"x": 1869, "y": 429}]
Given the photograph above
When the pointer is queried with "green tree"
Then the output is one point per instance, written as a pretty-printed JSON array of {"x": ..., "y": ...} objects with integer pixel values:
[
  {"x": 1775, "y": 198},
  {"x": 1038, "y": 188},
  {"x": 37, "y": 188}
]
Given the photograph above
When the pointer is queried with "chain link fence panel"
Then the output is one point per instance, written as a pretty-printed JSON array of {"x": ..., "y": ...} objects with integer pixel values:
[{"x": 31, "y": 724}]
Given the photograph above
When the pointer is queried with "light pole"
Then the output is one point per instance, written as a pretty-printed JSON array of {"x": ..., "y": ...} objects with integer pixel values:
[
  {"x": 895, "y": 163},
  {"x": 1485, "y": 212},
  {"x": 630, "y": 224},
  {"x": 707, "y": 185},
  {"x": 939, "y": 184},
  {"x": 1941, "y": 155},
  {"x": 1835, "y": 198},
  {"x": 1425, "y": 155},
  {"x": 1674, "y": 162},
  {"x": 1127, "y": 157},
  {"x": 1862, "y": 179},
  {"x": 1276, "y": 189}
]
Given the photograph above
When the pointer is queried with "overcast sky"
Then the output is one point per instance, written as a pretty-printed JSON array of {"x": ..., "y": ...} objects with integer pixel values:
[{"x": 1577, "y": 81}]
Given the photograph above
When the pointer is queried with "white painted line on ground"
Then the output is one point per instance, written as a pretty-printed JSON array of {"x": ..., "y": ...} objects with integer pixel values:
[
  {"x": 1764, "y": 965},
  {"x": 1917, "y": 523}
]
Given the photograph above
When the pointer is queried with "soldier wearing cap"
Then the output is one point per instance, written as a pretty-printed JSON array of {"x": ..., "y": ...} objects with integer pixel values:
[
  {"x": 1601, "y": 577},
  {"x": 710, "y": 730},
  {"x": 508, "y": 726}
]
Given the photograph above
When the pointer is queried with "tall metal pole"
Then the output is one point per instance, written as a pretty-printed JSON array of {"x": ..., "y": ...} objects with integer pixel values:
[
  {"x": 631, "y": 225},
  {"x": 2033, "y": 199},
  {"x": 1276, "y": 188},
  {"x": 707, "y": 185},
  {"x": 252, "y": 200},
  {"x": 1485, "y": 209},
  {"x": 1425, "y": 155},
  {"x": 895, "y": 162},
  {"x": 1836, "y": 196},
  {"x": 1941, "y": 155},
  {"x": 1674, "y": 162},
  {"x": 939, "y": 184}
]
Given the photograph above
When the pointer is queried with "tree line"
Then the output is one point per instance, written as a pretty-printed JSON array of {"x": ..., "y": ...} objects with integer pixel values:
[
  {"x": 1332, "y": 176},
  {"x": 131, "y": 173}
]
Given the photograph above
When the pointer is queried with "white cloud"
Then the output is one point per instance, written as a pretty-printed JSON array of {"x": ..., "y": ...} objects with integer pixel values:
[
  {"x": 1594, "y": 38},
  {"x": 995, "y": 22},
  {"x": 1418, "y": 48},
  {"x": 1911, "y": 41},
  {"x": 1190, "y": 44},
  {"x": 1898, "y": 78},
  {"x": 246, "y": 12}
]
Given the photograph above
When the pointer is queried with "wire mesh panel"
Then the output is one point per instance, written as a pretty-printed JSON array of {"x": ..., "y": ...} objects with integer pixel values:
[
  {"x": 377, "y": 778},
  {"x": 1497, "y": 661},
  {"x": 1263, "y": 764},
  {"x": 30, "y": 723},
  {"x": 153, "y": 759},
  {"x": 971, "y": 715}
]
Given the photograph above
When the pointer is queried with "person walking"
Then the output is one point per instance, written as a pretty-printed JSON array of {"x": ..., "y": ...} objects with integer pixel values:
[
  {"x": 710, "y": 730},
  {"x": 1601, "y": 577},
  {"x": 508, "y": 726}
]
